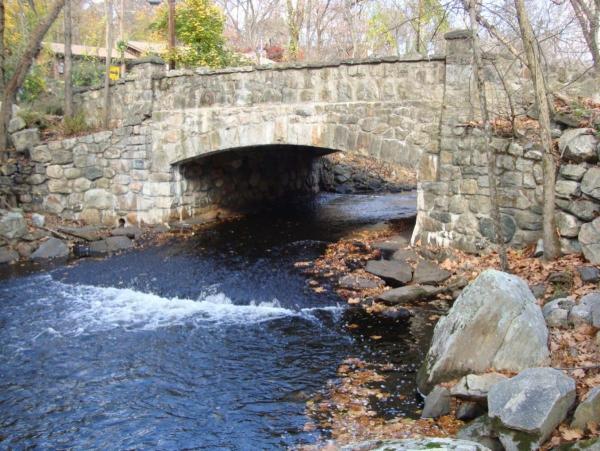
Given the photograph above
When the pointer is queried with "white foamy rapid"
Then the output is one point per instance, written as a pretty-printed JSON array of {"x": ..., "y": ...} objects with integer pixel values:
[{"x": 91, "y": 308}]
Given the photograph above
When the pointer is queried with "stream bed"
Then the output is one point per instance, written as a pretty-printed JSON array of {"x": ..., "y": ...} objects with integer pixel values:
[{"x": 207, "y": 342}]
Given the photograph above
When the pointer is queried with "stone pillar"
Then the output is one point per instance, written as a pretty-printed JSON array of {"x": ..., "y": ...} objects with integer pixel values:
[
  {"x": 439, "y": 181},
  {"x": 139, "y": 98}
]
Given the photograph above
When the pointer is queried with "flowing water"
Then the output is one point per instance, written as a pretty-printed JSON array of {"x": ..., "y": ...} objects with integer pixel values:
[{"x": 208, "y": 342}]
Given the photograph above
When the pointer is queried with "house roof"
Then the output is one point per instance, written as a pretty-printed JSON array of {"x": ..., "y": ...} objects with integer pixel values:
[{"x": 134, "y": 50}]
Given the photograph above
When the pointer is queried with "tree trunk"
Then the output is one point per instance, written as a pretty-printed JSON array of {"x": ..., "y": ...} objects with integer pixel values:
[
  {"x": 588, "y": 17},
  {"x": 418, "y": 28},
  {"x": 491, "y": 153},
  {"x": 551, "y": 243},
  {"x": 108, "y": 9},
  {"x": 2, "y": 75},
  {"x": 16, "y": 81},
  {"x": 68, "y": 61}
]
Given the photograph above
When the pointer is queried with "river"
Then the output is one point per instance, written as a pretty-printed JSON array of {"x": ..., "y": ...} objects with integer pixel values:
[{"x": 206, "y": 342}]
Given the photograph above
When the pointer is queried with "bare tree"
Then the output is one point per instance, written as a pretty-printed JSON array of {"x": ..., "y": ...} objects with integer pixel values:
[
  {"x": 295, "y": 19},
  {"x": 68, "y": 72},
  {"x": 34, "y": 45},
  {"x": 108, "y": 12},
  {"x": 532, "y": 52},
  {"x": 588, "y": 16},
  {"x": 472, "y": 7}
]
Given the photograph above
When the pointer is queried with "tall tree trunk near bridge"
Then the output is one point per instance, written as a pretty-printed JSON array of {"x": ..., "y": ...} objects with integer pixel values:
[
  {"x": 530, "y": 45},
  {"x": 108, "y": 11},
  {"x": 16, "y": 81},
  {"x": 473, "y": 6},
  {"x": 2, "y": 75},
  {"x": 68, "y": 61}
]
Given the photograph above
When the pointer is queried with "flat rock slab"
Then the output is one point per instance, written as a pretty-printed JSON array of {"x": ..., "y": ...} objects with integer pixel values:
[
  {"x": 429, "y": 273},
  {"x": 409, "y": 293},
  {"x": 445, "y": 444},
  {"x": 494, "y": 324},
  {"x": 390, "y": 245},
  {"x": 51, "y": 248},
  {"x": 356, "y": 282},
  {"x": 394, "y": 273},
  {"x": 405, "y": 255},
  {"x": 533, "y": 402}
]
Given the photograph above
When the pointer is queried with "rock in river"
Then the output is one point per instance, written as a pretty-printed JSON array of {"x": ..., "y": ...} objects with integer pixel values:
[
  {"x": 394, "y": 273},
  {"x": 409, "y": 293},
  {"x": 494, "y": 324},
  {"x": 51, "y": 248}
]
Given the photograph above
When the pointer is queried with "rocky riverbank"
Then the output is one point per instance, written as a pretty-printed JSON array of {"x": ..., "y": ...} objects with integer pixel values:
[
  {"x": 513, "y": 360},
  {"x": 346, "y": 174}
]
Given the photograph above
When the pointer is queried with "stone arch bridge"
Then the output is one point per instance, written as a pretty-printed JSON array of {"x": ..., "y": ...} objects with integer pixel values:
[{"x": 188, "y": 143}]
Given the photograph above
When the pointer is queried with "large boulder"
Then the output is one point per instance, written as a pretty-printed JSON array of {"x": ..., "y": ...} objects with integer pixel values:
[
  {"x": 26, "y": 140},
  {"x": 495, "y": 323},
  {"x": 589, "y": 239},
  {"x": 578, "y": 145},
  {"x": 588, "y": 411},
  {"x": 51, "y": 248},
  {"x": 12, "y": 225},
  {"x": 528, "y": 407},
  {"x": 587, "y": 312},
  {"x": 590, "y": 184},
  {"x": 394, "y": 273}
]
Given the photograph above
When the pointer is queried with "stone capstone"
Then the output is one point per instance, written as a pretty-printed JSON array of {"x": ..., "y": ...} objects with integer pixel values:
[
  {"x": 590, "y": 184},
  {"x": 578, "y": 145},
  {"x": 51, "y": 248},
  {"x": 437, "y": 403},
  {"x": 494, "y": 324},
  {"x": 12, "y": 225},
  {"x": 588, "y": 411},
  {"x": 589, "y": 239},
  {"x": 530, "y": 405},
  {"x": 394, "y": 273}
]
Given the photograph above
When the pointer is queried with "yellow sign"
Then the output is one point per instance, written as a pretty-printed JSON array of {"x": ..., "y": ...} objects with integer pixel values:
[{"x": 114, "y": 73}]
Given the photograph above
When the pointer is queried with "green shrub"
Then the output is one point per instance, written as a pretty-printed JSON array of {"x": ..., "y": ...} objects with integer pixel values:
[
  {"x": 75, "y": 125},
  {"x": 34, "y": 119}
]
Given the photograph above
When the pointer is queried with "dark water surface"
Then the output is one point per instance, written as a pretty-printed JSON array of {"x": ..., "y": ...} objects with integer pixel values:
[{"x": 209, "y": 342}]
